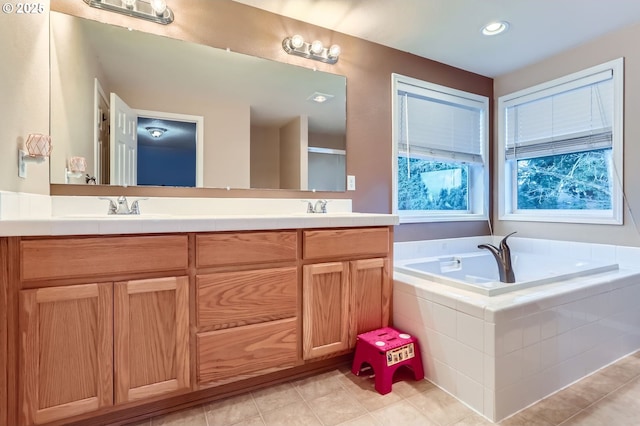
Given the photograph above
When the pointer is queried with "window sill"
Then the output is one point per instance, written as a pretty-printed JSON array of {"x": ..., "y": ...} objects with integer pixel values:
[
  {"x": 441, "y": 218},
  {"x": 555, "y": 217}
]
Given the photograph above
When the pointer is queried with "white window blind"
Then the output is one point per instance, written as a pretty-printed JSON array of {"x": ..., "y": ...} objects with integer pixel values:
[
  {"x": 571, "y": 117},
  {"x": 440, "y": 126}
]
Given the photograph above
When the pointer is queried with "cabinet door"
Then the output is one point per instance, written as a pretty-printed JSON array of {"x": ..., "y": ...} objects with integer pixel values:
[
  {"x": 325, "y": 296},
  {"x": 66, "y": 351},
  {"x": 370, "y": 296},
  {"x": 151, "y": 337}
]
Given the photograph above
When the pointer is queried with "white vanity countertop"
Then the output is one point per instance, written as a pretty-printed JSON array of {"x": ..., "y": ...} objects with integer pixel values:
[
  {"x": 85, "y": 225},
  {"x": 30, "y": 216},
  {"x": 159, "y": 224}
]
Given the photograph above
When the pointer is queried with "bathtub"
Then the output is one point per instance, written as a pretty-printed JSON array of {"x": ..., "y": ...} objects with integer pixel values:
[
  {"x": 499, "y": 352},
  {"x": 478, "y": 272}
]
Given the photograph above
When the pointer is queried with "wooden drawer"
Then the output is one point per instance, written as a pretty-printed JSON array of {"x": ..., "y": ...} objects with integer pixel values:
[
  {"x": 242, "y": 352},
  {"x": 333, "y": 243},
  {"x": 242, "y": 248},
  {"x": 246, "y": 297},
  {"x": 96, "y": 256}
]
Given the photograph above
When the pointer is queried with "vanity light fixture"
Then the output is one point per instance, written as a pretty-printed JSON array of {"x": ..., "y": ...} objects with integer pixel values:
[
  {"x": 156, "y": 132},
  {"x": 38, "y": 148},
  {"x": 495, "y": 28},
  {"x": 296, "y": 45},
  {"x": 151, "y": 10}
]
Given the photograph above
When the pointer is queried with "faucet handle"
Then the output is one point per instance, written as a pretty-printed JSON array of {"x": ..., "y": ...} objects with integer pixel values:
[
  {"x": 112, "y": 205},
  {"x": 309, "y": 206},
  {"x": 135, "y": 207}
]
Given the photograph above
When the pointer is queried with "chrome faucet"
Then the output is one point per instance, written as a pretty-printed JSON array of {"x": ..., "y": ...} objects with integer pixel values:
[
  {"x": 320, "y": 206},
  {"x": 503, "y": 258},
  {"x": 121, "y": 206}
]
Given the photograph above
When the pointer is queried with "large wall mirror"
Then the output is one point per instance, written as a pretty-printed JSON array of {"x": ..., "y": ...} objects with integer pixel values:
[{"x": 149, "y": 110}]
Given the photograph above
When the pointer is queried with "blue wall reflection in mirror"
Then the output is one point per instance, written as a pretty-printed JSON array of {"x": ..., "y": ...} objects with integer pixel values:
[{"x": 167, "y": 158}]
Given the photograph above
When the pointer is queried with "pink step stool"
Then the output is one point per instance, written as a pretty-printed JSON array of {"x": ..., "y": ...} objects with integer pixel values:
[{"x": 385, "y": 350}]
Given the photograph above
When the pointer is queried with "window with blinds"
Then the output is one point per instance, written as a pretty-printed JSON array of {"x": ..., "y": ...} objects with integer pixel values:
[
  {"x": 572, "y": 117},
  {"x": 440, "y": 146},
  {"x": 561, "y": 148},
  {"x": 445, "y": 127}
]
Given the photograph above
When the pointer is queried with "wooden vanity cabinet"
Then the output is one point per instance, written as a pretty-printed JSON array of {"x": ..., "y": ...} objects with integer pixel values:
[
  {"x": 247, "y": 305},
  {"x": 343, "y": 298},
  {"x": 120, "y": 327},
  {"x": 84, "y": 347},
  {"x": 4, "y": 350}
]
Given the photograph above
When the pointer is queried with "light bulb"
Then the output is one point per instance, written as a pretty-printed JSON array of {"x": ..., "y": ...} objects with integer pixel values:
[
  {"x": 495, "y": 28},
  {"x": 316, "y": 47},
  {"x": 297, "y": 41},
  {"x": 129, "y": 3},
  {"x": 334, "y": 51},
  {"x": 159, "y": 6}
]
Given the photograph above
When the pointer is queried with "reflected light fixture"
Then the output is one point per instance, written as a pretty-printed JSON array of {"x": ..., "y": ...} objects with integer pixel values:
[
  {"x": 296, "y": 45},
  {"x": 76, "y": 168},
  {"x": 151, "y": 10},
  {"x": 156, "y": 132},
  {"x": 495, "y": 28},
  {"x": 320, "y": 97}
]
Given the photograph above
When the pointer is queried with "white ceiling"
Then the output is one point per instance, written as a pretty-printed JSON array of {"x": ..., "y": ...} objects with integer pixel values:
[{"x": 448, "y": 31}]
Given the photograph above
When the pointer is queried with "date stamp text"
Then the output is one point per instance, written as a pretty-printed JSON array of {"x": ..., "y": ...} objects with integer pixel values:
[{"x": 22, "y": 8}]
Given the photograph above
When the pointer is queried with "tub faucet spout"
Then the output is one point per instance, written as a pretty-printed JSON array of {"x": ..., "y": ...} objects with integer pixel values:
[{"x": 503, "y": 259}]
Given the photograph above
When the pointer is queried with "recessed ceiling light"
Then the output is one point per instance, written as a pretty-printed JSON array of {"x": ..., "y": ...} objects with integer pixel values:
[
  {"x": 495, "y": 28},
  {"x": 319, "y": 97}
]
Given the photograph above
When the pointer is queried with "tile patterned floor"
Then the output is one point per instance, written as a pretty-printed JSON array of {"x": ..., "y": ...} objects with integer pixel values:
[{"x": 610, "y": 397}]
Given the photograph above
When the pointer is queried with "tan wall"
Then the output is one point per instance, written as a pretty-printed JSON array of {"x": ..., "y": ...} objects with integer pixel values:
[
  {"x": 265, "y": 157},
  {"x": 24, "y": 99},
  {"x": 326, "y": 140},
  {"x": 293, "y": 154},
  {"x": 622, "y": 43},
  {"x": 367, "y": 66},
  {"x": 72, "y": 96}
]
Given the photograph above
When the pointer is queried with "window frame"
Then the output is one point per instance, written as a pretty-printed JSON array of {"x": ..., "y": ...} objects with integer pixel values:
[
  {"x": 478, "y": 188},
  {"x": 507, "y": 168}
]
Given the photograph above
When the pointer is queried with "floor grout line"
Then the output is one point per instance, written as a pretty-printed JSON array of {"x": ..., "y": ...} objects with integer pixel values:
[{"x": 253, "y": 398}]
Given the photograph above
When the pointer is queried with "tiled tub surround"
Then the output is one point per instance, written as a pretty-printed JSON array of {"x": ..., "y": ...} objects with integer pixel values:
[{"x": 503, "y": 353}]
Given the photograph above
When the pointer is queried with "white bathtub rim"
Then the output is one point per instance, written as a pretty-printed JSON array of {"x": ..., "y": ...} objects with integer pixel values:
[
  {"x": 498, "y": 288},
  {"x": 625, "y": 256}
]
